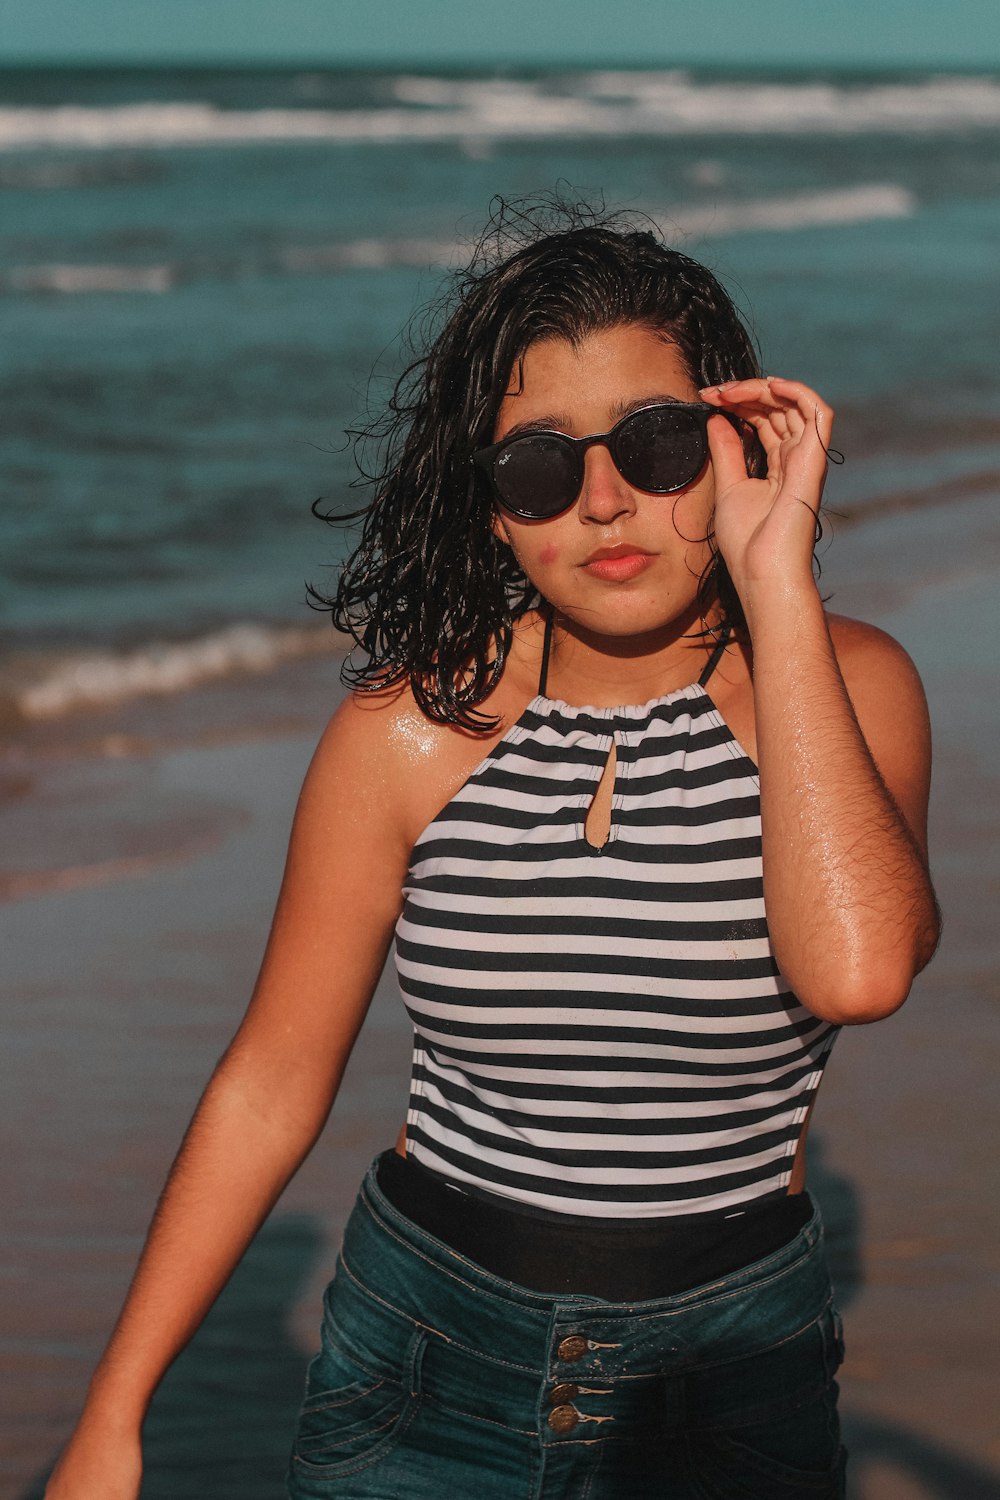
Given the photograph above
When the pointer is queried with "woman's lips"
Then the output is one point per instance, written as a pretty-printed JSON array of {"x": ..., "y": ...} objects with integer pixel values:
[{"x": 617, "y": 564}]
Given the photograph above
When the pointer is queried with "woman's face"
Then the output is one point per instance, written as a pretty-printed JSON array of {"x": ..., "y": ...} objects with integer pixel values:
[{"x": 619, "y": 562}]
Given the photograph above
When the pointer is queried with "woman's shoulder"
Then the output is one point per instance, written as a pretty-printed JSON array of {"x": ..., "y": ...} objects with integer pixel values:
[
  {"x": 380, "y": 746},
  {"x": 887, "y": 696},
  {"x": 388, "y": 726},
  {"x": 867, "y": 654},
  {"x": 383, "y": 737}
]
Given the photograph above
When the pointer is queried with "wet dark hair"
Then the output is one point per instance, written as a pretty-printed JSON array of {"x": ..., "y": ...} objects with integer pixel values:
[{"x": 430, "y": 593}]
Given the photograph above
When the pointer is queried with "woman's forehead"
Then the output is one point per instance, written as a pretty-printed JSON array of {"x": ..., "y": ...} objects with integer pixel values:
[{"x": 565, "y": 384}]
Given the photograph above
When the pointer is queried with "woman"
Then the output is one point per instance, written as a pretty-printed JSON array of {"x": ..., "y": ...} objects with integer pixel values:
[{"x": 586, "y": 592}]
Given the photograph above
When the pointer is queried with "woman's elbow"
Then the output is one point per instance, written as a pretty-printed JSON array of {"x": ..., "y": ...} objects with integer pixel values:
[
  {"x": 870, "y": 988},
  {"x": 858, "y": 1005}
]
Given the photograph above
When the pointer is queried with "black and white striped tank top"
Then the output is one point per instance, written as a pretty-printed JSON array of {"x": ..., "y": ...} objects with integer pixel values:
[{"x": 604, "y": 1032}]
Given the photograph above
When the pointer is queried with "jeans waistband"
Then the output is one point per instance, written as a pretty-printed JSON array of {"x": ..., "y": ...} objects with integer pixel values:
[
  {"x": 419, "y": 1282},
  {"x": 561, "y": 1254}
]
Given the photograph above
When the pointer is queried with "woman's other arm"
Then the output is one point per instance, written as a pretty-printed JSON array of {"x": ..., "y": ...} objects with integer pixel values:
[
  {"x": 843, "y": 741},
  {"x": 270, "y": 1094}
]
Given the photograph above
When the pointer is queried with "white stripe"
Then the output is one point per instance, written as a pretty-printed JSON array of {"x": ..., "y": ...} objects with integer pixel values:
[
  {"x": 534, "y": 1015},
  {"x": 639, "y": 1176},
  {"x": 652, "y": 986},
  {"x": 690, "y": 950},
  {"x": 703, "y": 872},
  {"x": 535, "y": 1046},
  {"x": 606, "y": 1208},
  {"x": 618, "y": 1078},
  {"x": 589, "y": 908},
  {"x": 493, "y": 1104},
  {"x": 637, "y": 1141}
]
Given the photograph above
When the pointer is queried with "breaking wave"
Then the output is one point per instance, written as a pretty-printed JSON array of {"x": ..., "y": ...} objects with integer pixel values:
[
  {"x": 589, "y": 105},
  {"x": 52, "y": 685},
  {"x": 853, "y": 205}
]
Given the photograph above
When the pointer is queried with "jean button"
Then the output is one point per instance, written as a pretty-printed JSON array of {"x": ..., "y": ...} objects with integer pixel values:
[
  {"x": 563, "y": 1393},
  {"x": 563, "y": 1418},
  {"x": 572, "y": 1348}
]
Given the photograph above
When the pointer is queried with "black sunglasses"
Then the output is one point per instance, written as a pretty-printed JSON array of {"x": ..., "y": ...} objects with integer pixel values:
[{"x": 660, "y": 449}]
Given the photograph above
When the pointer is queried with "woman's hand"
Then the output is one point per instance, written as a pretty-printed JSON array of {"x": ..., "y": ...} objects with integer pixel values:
[
  {"x": 766, "y": 528},
  {"x": 98, "y": 1464}
]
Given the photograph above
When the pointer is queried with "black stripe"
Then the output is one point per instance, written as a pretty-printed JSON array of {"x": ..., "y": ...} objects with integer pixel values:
[
  {"x": 662, "y": 711},
  {"x": 518, "y": 1120},
  {"x": 641, "y": 781},
  {"x": 436, "y": 918},
  {"x": 544, "y": 753},
  {"x": 601, "y": 1097},
  {"x": 540, "y": 961},
  {"x": 596, "y": 1158},
  {"x": 649, "y": 1036},
  {"x": 414, "y": 991},
  {"x": 595, "y": 1192},
  {"x": 503, "y": 815},
  {"x": 625, "y": 1161},
  {"x": 733, "y": 810},
  {"x": 581, "y": 1062},
  {"x": 591, "y": 888},
  {"x": 638, "y": 780},
  {"x": 711, "y": 851},
  {"x": 583, "y": 998},
  {"x": 630, "y": 815}
]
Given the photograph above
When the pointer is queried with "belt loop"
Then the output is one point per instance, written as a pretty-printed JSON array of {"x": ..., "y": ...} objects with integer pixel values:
[{"x": 414, "y": 1360}]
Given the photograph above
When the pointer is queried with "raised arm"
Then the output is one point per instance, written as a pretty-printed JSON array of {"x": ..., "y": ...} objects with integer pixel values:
[
  {"x": 268, "y": 1097},
  {"x": 843, "y": 740}
]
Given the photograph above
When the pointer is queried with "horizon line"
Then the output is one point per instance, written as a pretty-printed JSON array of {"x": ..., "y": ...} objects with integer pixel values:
[{"x": 535, "y": 65}]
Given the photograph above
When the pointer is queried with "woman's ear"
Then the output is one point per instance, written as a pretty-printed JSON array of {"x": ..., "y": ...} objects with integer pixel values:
[{"x": 499, "y": 529}]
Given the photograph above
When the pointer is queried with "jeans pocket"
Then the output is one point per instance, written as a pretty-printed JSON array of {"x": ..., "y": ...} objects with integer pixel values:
[
  {"x": 359, "y": 1400},
  {"x": 797, "y": 1455},
  {"x": 767, "y": 1425}
]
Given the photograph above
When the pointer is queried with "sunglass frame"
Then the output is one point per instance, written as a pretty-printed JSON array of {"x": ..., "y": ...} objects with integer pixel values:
[{"x": 486, "y": 458}]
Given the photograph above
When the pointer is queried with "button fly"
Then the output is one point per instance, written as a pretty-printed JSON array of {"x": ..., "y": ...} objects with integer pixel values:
[
  {"x": 572, "y": 1348},
  {"x": 563, "y": 1418}
]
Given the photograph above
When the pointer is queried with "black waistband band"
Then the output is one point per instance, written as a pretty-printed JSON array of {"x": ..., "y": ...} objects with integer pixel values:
[{"x": 620, "y": 1260}]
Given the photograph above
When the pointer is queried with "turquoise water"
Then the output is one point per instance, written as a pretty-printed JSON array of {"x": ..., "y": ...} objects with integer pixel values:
[{"x": 198, "y": 272}]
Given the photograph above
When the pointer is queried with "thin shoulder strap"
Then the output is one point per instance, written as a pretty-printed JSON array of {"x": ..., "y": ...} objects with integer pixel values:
[
  {"x": 543, "y": 675},
  {"x": 716, "y": 656}
]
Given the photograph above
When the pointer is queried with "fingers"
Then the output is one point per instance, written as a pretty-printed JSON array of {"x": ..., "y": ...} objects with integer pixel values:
[
  {"x": 793, "y": 423},
  {"x": 791, "y": 407},
  {"x": 728, "y": 458}
]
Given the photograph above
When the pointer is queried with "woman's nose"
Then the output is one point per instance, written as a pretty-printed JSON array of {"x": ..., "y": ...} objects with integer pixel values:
[{"x": 605, "y": 495}]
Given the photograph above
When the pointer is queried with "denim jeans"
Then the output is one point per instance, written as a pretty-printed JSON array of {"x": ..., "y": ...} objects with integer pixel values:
[{"x": 436, "y": 1379}]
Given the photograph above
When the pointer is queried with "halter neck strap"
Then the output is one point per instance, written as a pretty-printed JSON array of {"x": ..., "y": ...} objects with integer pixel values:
[
  {"x": 543, "y": 675},
  {"x": 710, "y": 665},
  {"x": 716, "y": 656}
]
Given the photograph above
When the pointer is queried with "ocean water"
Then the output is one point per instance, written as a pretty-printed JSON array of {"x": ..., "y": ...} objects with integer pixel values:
[{"x": 199, "y": 272}]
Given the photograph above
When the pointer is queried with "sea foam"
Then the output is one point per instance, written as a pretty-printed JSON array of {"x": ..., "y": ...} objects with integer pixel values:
[
  {"x": 603, "y": 104},
  {"x": 81, "y": 680},
  {"x": 838, "y": 206}
]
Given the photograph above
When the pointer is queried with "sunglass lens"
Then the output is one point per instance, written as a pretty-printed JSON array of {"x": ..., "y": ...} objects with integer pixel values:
[
  {"x": 661, "y": 450},
  {"x": 536, "y": 475}
]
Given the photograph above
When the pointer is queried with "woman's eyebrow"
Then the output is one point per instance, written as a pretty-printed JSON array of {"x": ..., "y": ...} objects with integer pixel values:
[
  {"x": 625, "y": 408},
  {"x": 557, "y": 422},
  {"x": 537, "y": 424}
]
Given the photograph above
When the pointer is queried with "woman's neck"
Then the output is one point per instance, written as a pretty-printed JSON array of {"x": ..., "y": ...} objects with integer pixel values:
[{"x": 609, "y": 672}]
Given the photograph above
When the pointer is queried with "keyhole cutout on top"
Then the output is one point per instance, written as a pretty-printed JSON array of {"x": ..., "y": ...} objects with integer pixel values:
[{"x": 597, "y": 824}]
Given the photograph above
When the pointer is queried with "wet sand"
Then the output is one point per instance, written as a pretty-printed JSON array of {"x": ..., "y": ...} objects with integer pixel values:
[{"x": 139, "y": 878}]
